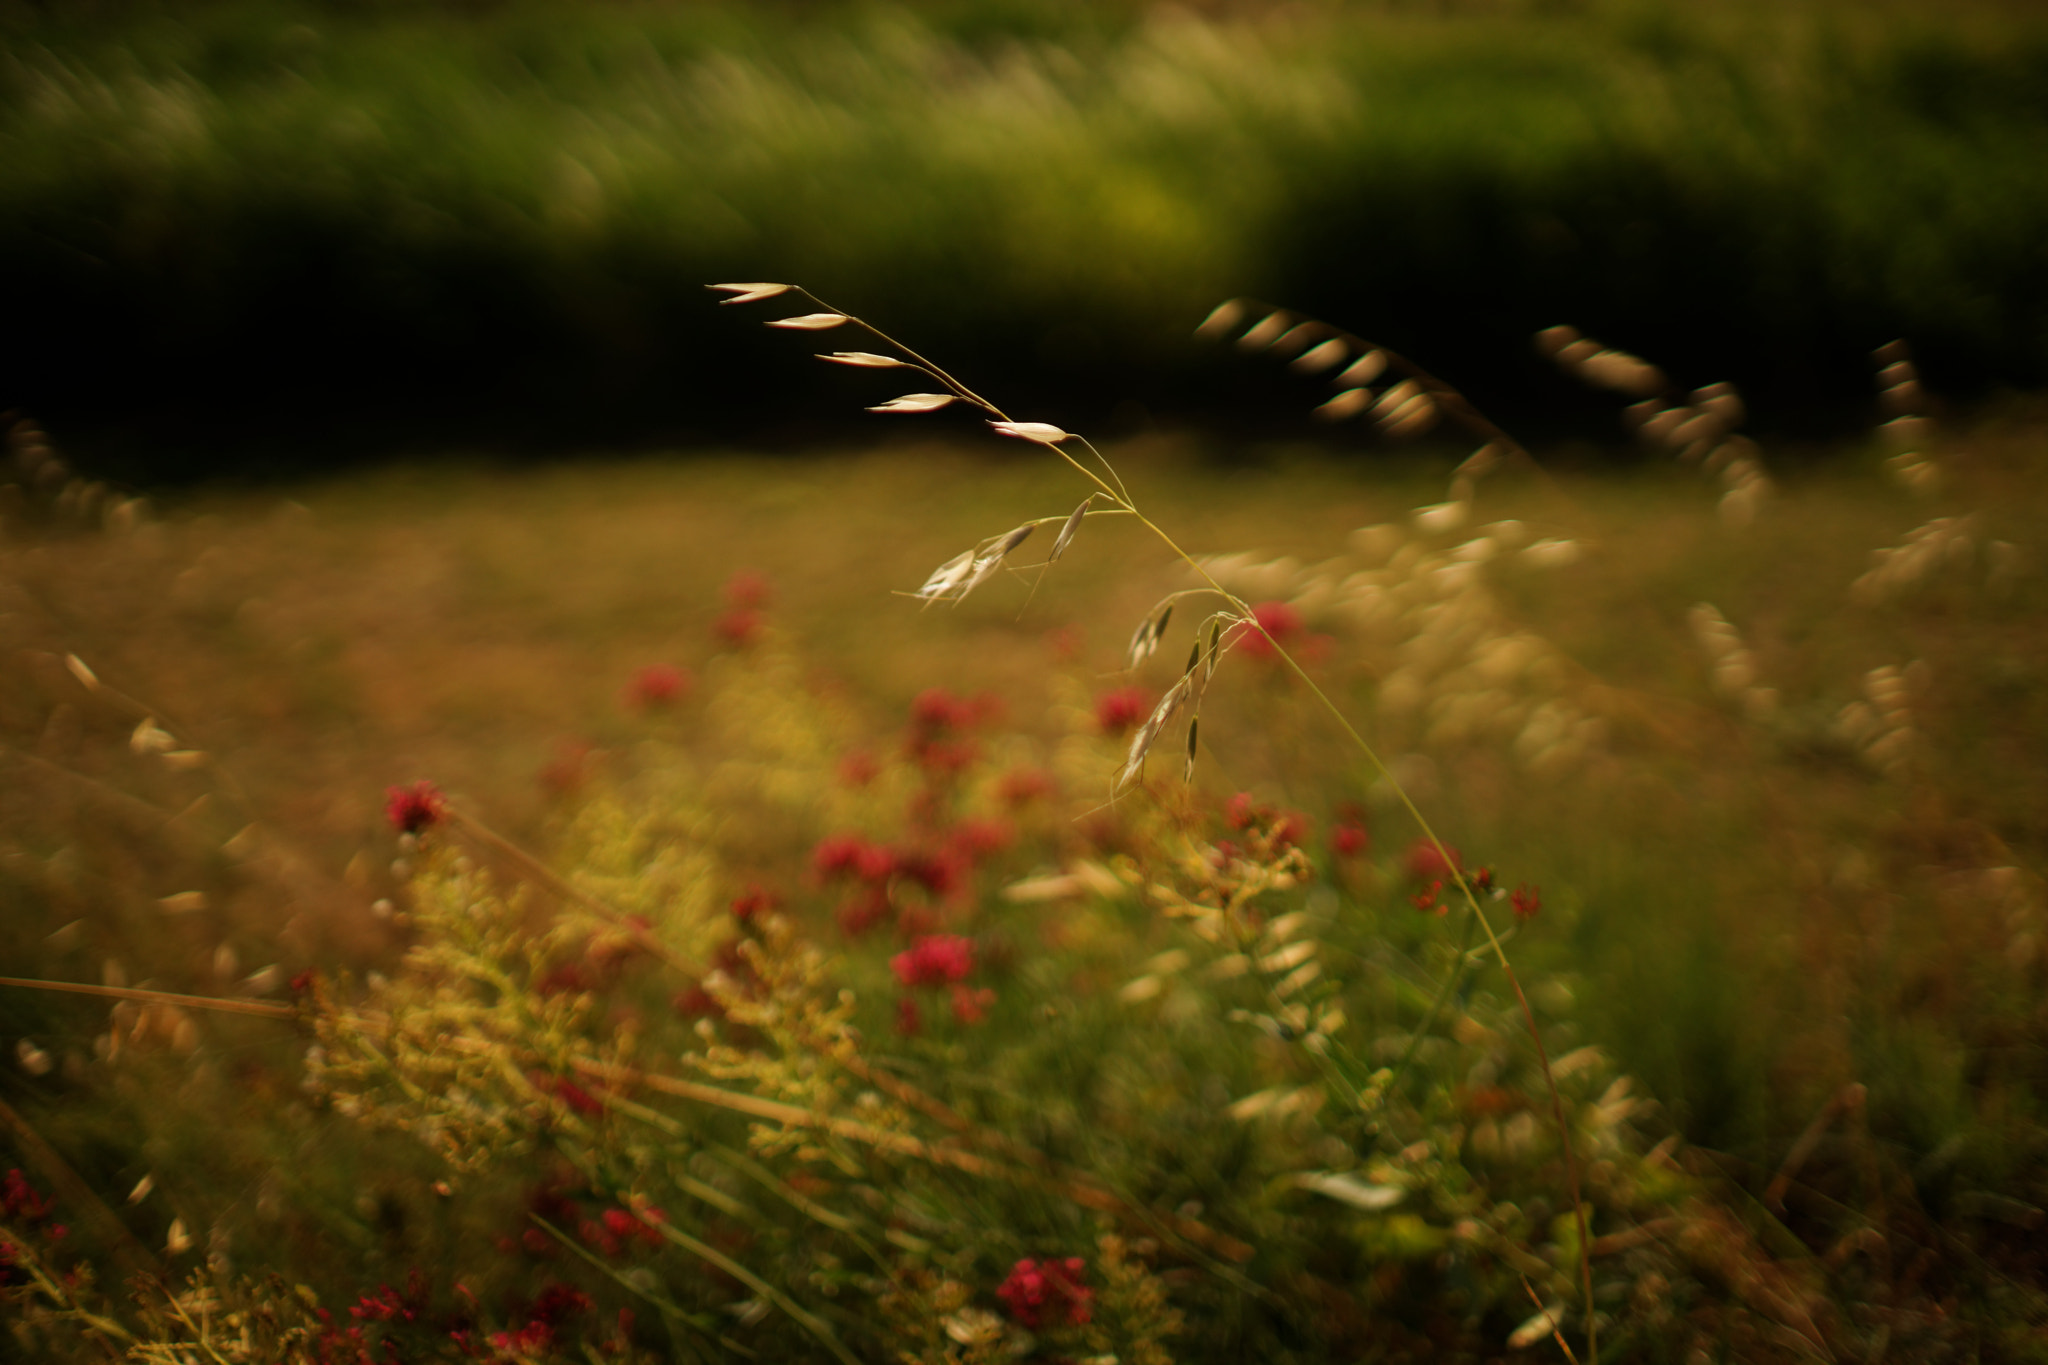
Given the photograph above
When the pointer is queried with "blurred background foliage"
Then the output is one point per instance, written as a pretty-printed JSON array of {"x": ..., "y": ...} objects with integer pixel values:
[{"x": 392, "y": 225}]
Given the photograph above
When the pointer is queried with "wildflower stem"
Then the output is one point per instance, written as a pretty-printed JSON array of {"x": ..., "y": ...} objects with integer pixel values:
[{"x": 218, "y": 1004}]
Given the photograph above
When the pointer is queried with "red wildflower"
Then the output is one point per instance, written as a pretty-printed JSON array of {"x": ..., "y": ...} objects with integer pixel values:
[
  {"x": 1526, "y": 901},
  {"x": 909, "y": 1021},
  {"x": 971, "y": 1007},
  {"x": 697, "y": 1003},
  {"x": 1426, "y": 861},
  {"x": 624, "y": 1223},
  {"x": 412, "y": 809},
  {"x": 568, "y": 1092},
  {"x": 934, "y": 960},
  {"x": 1427, "y": 899},
  {"x": 1120, "y": 709},
  {"x": 562, "y": 978},
  {"x": 942, "y": 874},
  {"x": 1022, "y": 786},
  {"x": 655, "y": 686},
  {"x": 20, "y": 1202},
  {"x": 1348, "y": 841},
  {"x": 1481, "y": 878},
  {"x": 864, "y": 911},
  {"x": 936, "y": 710},
  {"x": 747, "y": 590},
  {"x": 738, "y": 628},
  {"x": 1272, "y": 624},
  {"x": 752, "y": 903},
  {"x": 843, "y": 854},
  {"x": 859, "y": 768},
  {"x": 1036, "y": 1289},
  {"x": 977, "y": 838}
]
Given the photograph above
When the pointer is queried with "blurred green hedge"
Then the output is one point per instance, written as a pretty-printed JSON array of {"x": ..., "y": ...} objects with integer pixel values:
[{"x": 445, "y": 221}]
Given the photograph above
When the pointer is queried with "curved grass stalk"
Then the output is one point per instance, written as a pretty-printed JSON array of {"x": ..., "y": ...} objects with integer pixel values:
[{"x": 1055, "y": 439}]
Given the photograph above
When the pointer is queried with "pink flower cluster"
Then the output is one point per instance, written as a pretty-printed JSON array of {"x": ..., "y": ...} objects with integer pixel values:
[
  {"x": 1118, "y": 710},
  {"x": 934, "y": 960},
  {"x": 657, "y": 686},
  {"x": 412, "y": 809},
  {"x": 939, "y": 721},
  {"x": 1038, "y": 1290}
]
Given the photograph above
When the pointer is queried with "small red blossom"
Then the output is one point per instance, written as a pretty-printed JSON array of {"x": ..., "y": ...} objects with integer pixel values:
[
  {"x": 1022, "y": 786},
  {"x": 909, "y": 1020},
  {"x": 747, "y": 591},
  {"x": 1272, "y": 625},
  {"x": 971, "y": 1006},
  {"x": 19, "y": 1201},
  {"x": 1349, "y": 841},
  {"x": 751, "y": 904},
  {"x": 980, "y": 837},
  {"x": 738, "y": 628},
  {"x": 568, "y": 1092},
  {"x": 1429, "y": 900},
  {"x": 697, "y": 1003},
  {"x": 1481, "y": 878},
  {"x": 563, "y": 979},
  {"x": 1040, "y": 1290},
  {"x": 936, "y": 709},
  {"x": 863, "y": 912},
  {"x": 656, "y": 686},
  {"x": 859, "y": 768},
  {"x": 1526, "y": 901},
  {"x": 1284, "y": 828},
  {"x": 934, "y": 960},
  {"x": 942, "y": 874},
  {"x": 1122, "y": 709},
  {"x": 627, "y": 1224},
  {"x": 1426, "y": 861},
  {"x": 850, "y": 854},
  {"x": 415, "y": 808}
]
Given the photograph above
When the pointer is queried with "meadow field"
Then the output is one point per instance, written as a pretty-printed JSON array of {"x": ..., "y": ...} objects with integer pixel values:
[{"x": 1787, "y": 965}]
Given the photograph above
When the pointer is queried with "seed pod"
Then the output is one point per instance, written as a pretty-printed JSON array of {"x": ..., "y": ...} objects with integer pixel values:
[
  {"x": 1349, "y": 403},
  {"x": 866, "y": 360},
  {"x": 1364, "y": 370},
  {"x": 1066, "y": 535},
  {"x": 1221, "y": 320},
  {"x": 1042, "y": 432},
  {"x": 915, "y": 402},
  {"x": 748, "y": 293},
  {"x": 1321, "y": 357},
  {"x": 1188, "y": 773},
  {"x": 810, "y": 322},
  {"x": 1147, "y": 636}
]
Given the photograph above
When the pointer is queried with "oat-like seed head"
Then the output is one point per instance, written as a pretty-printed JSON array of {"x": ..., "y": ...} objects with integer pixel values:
[
  {"x": 810, "y": 322},
  {"x": 867, "y": 360},
  {"x": 748, "y": 293},
  {"x": 915, "y": 402},
  {"x": 1066, "y": 535},
  {"x": 1044, "y": 433}
]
